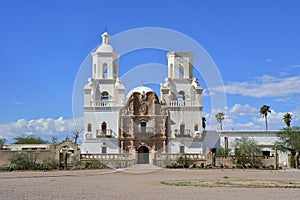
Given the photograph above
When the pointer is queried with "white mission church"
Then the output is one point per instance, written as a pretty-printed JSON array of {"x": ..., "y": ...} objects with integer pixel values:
[{"x": 143, "y": 123}]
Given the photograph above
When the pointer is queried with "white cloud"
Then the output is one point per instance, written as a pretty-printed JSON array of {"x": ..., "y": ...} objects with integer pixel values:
[
  {"x": 275, "y": 118},
  {"x": 242, "y": 110},
  {"x": 232, "y": 125},
  {"x": 264, "y": 86},
  {"x": 18, "y": 103},
  {"x": 40, "y": 127},
  {"x": 246, "y": 117}
]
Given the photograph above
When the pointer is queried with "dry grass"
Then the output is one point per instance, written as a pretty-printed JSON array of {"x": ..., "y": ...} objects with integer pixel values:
[{"x": 229, "y": 182}]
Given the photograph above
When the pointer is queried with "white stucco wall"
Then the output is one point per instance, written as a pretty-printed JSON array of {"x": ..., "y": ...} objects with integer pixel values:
[
  {"x": 94, "y": 145},
  {"x": 110, "y": 115},
  {"x": 265, "y": 139},
  {"x": 190, "y": 116}
]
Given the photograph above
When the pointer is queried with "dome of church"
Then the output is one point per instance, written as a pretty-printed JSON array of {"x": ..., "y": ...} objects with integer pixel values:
[{"x": 139, "y": 89}]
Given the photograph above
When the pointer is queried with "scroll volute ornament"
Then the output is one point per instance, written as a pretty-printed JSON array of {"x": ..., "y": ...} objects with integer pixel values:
[{"x": 123, "y": 111}]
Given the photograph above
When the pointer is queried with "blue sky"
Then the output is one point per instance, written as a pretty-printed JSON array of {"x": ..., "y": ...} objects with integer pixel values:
[{"x": 255, "y": 45}]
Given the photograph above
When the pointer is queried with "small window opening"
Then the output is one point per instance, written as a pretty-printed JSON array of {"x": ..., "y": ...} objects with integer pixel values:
[{"x": 89, "y": 127}]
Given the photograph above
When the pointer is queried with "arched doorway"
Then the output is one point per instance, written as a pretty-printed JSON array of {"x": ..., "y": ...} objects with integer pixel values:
[
  {"x": 103, "y": 128},
  {"x": 65, "y": 157},
  {"x": 143, "y": 155}
]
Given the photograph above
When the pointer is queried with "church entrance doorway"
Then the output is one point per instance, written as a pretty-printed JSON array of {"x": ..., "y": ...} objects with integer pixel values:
[{"x": 143, "y": 155}]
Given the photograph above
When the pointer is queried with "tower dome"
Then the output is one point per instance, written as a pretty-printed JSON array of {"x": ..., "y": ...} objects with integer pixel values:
[{"x": 105, "y": 46}]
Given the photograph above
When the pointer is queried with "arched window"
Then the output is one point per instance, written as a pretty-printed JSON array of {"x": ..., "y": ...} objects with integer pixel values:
[
  {"x": 181, "y": 70},
  {"x": 105, "y": 98},
  {"x": 181, "y": 98},
  {"x": 105, "y": 70},
  {"x": 89, "y": 127},
  {"x": 143, "y": 127}
]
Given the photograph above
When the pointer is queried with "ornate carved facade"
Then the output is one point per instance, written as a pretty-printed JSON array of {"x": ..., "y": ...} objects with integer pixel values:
[{"x": 143, "y": 123}]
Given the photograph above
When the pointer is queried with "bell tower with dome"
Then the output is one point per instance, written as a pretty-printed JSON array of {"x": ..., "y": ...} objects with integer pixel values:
[
  {"x": 182, "y": 95},
  {"x": 104, "y": 96},
  {"x": 105, "y": 60}
]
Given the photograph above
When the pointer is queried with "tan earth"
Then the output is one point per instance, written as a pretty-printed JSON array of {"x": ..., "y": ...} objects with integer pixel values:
[{"x": 140, "y": 182}]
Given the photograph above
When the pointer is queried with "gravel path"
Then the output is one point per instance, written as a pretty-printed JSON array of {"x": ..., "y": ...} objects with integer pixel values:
[{"x": 141, "y": 182}]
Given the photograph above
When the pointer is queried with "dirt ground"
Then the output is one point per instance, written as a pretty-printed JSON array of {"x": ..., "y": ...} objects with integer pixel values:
[{"x": 142, "y": 182}]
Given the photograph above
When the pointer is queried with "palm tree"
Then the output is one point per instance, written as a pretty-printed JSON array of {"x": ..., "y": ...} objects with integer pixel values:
[
  {"x": 220, "y": 117},
  {"x": 264, "y": 110},
  {"x": 287, "y": 118}
]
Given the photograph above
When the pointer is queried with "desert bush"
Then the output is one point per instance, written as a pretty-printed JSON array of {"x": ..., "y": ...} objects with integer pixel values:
[
  {"x": 75, "y": 160},
  {"x": 166, "y": 162},
  {"x": 246, "y": 152},
  {"x": 94, "y": 164},
  {"x": 23, "y": 161},
  {"x": 223, "y": 152},
  {"x": 50, "y": 163},
  {"x": 181, "y": 162}
]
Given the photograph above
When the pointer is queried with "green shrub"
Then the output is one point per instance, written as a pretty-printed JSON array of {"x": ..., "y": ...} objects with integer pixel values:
[
  {"x": 94, "y": 164},
  {"x": 75, "y": 160},
  {"x": 23, "y": 161},
  {"x": 246, "y": 152},
  {"x": 166, "y": 162},
  {"x": 28, "y": 161},
  {"x": 50, "y": 163},
  {"x": 181, "y": 162},
  {"x": 222, "y": 152},
  {"x": 239, "y": 166},
  {"x": 175, "y": 164}
]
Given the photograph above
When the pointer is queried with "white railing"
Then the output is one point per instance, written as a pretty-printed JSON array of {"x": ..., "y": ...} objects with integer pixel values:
[
  {"x": 88, "y": 156},
  {"x": 105, "y": 133},
  {"x": 174, "y": 156},
  {"x": 100, "y": 103},
  {"x": 182, "y": 103}
]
